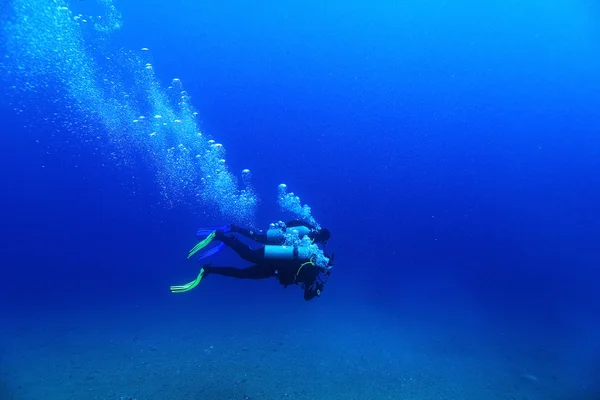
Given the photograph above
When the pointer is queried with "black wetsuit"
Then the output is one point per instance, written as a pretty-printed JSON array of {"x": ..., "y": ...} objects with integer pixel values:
[
  {"x": 261, "y": 236},
  {"x": 288, "y": 272}
]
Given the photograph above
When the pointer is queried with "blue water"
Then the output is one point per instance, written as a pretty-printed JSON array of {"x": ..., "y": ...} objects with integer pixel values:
[{"x": 451, "y": 148}]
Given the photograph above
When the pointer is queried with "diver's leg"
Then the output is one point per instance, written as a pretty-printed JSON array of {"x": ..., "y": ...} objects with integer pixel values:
[
  {"x": 242, "y": 249},
  {"x": 256, "y": 271}
]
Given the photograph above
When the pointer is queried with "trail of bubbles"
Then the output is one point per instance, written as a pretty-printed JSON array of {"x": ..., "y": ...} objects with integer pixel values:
[
  {"x": 290, "y": 202},
  {"x": 112, "y": 18},
  {"x": 117, "y": 101}
]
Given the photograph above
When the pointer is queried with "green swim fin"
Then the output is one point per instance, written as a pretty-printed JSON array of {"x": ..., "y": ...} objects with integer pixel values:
[
  {"x": 202, "y": 244},
  {"x": 188, "y": 286}
]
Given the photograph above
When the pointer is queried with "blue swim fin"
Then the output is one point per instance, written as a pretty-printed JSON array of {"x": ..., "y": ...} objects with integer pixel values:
[
  {"x": 204, "y": 232},
  {"x": 212, "y": 251}
]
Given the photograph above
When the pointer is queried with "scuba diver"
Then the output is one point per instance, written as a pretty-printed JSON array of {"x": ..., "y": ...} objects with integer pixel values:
[
  {"x": 304, "y": 265},
  {"x": 277, "y": 233}
]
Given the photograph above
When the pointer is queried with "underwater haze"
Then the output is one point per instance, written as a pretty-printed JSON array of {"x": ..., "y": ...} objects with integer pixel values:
[{"x": 451, "y": 148}]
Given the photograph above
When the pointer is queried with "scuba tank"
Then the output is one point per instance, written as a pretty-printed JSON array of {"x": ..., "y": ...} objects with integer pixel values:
[
  {"x": 278, "y": 234},
  {"x": 293, "y": 243},
  {"x": 274, "y": 252}
]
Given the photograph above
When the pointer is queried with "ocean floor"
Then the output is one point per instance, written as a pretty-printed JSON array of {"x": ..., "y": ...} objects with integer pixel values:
[{"x": 264, "y": 353}]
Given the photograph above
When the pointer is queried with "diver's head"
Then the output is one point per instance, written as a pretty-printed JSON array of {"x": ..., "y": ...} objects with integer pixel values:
[{"x": 322, "y": 235}]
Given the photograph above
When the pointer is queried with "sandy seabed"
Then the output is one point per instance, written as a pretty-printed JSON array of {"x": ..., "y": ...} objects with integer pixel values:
[{"x": 246, "y": 351}]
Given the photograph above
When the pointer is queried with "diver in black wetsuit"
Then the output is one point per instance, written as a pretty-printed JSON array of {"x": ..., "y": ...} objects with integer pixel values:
[
  {"x": 289, "y": 264},
  {"x": 291, "y": 270},
  {"x": 277, "y": 235}
]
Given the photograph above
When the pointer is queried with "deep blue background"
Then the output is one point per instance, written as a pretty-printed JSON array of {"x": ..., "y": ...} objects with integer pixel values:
[{"x": 440, "y": 142}]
